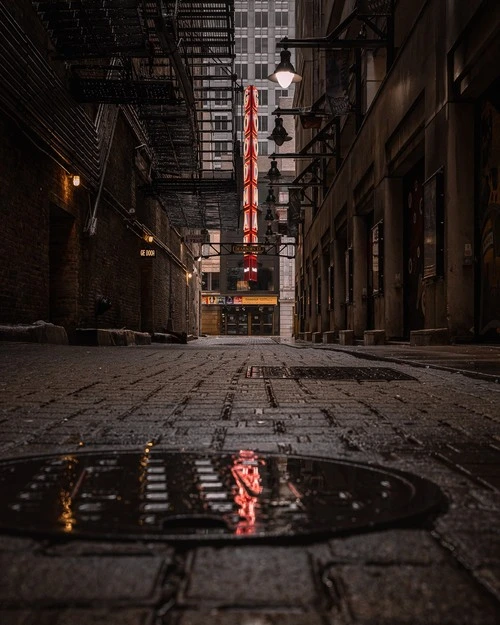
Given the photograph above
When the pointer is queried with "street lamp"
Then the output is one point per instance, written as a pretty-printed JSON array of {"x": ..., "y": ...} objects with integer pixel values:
[
  {"x": 274, "y": 173},
  {"x": 279, "y": 134},
  {"x": 285, "y": 73},
  {"x": 271, "y": 198}
]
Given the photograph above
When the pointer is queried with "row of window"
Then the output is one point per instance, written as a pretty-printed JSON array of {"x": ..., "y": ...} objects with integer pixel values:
[
  {"x": 223, "y": 147},
  {"x": 221, "y": 123},
  {"x": 261, "y": 19},
  {"x": 221, "y": 96},
  {"x": 261, "y": 45}
]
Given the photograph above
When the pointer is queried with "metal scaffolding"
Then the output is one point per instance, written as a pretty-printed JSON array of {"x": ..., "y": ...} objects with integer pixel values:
[{"x": 170, "y": 61}]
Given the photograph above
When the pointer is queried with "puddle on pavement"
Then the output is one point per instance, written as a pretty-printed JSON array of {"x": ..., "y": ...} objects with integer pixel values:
[{"x": 158, "y": 495}]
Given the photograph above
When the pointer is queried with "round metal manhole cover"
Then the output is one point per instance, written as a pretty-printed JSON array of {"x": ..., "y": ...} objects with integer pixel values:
[{"x": 158, "y": 495}]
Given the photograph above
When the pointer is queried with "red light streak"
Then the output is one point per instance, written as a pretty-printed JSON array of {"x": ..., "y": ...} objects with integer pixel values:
[
  {"x": 250, "y": 175},
  {"x": 246, "y": 474}
]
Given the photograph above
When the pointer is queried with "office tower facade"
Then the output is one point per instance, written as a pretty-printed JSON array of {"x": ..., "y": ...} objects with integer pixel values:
[{"x": 230, "y": 304}]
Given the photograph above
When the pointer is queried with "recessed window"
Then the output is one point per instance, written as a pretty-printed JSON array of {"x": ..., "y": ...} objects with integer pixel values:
[
  {"x": 210, "y": 281},
  {"x": 241, "y": 19},
  {"x": 221, "y": 97},
  {"x": 263, "y": 93},
  {"x": 280, "y": 93},
  {"x": 220, "y": 147},
  {"x": 241, "y": 45},
  {"x": 281, "y": 18},
  {"x": 263, "y": 148},
  {"x": 221, "y": 122},
  {"x": 261, "y": 70},
  {"x": 261, "y": 19},
  {"x": 263, "y": 123},
  {"x": 261, "y": 45},
  {"x": 241, "y": 70}
]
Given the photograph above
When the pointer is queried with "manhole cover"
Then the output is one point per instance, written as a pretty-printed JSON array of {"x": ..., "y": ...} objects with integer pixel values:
[
  {"x": 178, "y": 496},
  {"x": 372, "y": 374}
]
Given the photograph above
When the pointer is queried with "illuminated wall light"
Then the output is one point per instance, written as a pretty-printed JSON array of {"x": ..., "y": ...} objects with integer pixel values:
[
  {"x": 149, "y": 238},
  {"x": 76, "y": 180}
]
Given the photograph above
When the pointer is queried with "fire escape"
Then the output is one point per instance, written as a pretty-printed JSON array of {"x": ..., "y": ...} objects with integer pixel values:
[{"x": 159, "y": 60}]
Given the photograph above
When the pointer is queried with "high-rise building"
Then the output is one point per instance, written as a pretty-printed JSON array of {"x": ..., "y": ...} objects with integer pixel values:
[{"x": 231, "y": 304}]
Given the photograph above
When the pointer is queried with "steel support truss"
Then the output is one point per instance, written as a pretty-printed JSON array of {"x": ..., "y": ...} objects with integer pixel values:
[{"x": 286, "y": 250}]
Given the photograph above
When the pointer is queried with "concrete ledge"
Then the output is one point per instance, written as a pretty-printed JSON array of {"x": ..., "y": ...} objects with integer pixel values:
[
  {"x": 374, "y": 337},
  {"x": 430, "y": 336},
  {"x": 165, "y": 337},
  {"x": 110, "y": 336},
  {"x": 38, "y": 332},
  {"x": 329, "y": 336},
  {"x": 317, "y": 337},
  {"x": 142, "y": 338},
  {"x": 346, "y": 337}
]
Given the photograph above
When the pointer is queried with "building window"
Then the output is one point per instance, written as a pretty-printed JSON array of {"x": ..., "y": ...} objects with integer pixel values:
[
  {"x": 238, "y": 123},
  {"x": 261, "y": 45},
  {"x": 261, "y": 70},
  {"x": 241, "y": 19},
  {"x": 241, "y": 70},
  {"x": 210, "y": 281},
  {"x": 281, "y": 18},
  {"x": 220, "y": 97},
  {"x": 263, "y": 150},
  {"x": 220, "y": 70},
  {"x": 221, "y": 122},
  {"x": 261, "y": 19},
  {"x": 280, "y": 93},
  {"x": 263, "y": 123},
  {"x": 220, "y": 147},
  {"x": 263, "y": 97},
  {"x": 283, "y": 197},
  {"x": 241, "y": 46}
]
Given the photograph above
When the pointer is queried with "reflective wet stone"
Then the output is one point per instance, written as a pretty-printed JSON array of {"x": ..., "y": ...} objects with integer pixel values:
[
  {"x": 186, "y": 496},
  {"x": 360, "y": 374}
]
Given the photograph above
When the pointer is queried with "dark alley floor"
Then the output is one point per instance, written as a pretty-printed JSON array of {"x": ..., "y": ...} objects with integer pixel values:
[{"x": 440, "y": 421}]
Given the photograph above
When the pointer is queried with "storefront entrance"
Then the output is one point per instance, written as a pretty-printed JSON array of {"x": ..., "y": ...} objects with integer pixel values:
[{"x": 248, "y": 320}]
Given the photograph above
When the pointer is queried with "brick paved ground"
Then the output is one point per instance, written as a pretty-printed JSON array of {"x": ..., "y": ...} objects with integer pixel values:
[{"x": 442, "y": 426}]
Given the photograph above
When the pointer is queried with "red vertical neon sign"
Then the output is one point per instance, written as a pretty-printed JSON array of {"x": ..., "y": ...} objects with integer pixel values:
[{"x": 250, "y": 173}]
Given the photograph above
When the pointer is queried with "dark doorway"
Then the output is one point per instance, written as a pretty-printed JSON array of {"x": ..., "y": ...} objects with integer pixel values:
[
  {"x": 147, "y": 295},
  {"x": 261, "y": 320},
  {"x": 370, "y": 303},
  {"x": 413, "y": 205},
  {"x": 488, "y": 218},
  {"x": 63, "y": 268},
  {"x": 235, "y": 321}
]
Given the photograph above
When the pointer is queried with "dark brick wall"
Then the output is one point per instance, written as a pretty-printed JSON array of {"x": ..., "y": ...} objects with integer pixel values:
[
  {"x": 30, "y": 184},
  {"x": 51, "y": 268}
]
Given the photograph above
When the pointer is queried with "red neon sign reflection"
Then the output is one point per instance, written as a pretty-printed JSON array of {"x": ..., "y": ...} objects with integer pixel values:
[{"x": 246, "y": 474}]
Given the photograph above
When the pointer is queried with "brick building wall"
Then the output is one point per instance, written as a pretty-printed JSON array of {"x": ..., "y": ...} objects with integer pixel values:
[{"x": 52, "y": 267}]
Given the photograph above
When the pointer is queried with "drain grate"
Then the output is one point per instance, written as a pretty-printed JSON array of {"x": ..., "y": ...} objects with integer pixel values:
[
  {"x": 186, "y": 496},
  {"x": 362, "y": 374}
]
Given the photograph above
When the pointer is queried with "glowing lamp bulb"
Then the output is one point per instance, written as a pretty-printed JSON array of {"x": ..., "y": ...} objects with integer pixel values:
[
  {"x": 284, "y": 79},
  {"x": 76, "y": 181}
]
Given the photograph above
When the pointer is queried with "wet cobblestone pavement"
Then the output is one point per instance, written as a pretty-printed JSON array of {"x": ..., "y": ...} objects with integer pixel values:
[{"x": 440, "y": 425}]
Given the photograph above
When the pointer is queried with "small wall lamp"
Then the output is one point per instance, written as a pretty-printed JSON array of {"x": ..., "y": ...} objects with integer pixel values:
[
  {"x": 76, "y": 180},
  {"x": 274, "y": 173},
  {"x": 285, "y": 73},
  {"x": 279, "y": 134}
]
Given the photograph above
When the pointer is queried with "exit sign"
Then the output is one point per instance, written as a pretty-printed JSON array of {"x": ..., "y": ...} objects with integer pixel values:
[{"x": 148, "y": 253}]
